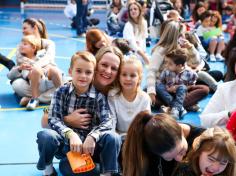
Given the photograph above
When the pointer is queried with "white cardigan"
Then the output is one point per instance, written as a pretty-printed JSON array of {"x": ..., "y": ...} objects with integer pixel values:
[{"x": 223, "y": 101}]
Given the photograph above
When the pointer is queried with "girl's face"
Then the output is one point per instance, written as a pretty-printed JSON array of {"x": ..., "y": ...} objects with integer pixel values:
[
  {"x": 210, "y": 165},
  {"x": 129, "y": 77},
  {"x": 206, "y": 22},
  {"x": 201, "y": 10},
  {"x": 178, "y": 152},
  {"x": 117, "y": 2},
  {"x": 134, "y": 11},
  {"x": 82, "y": 75},
  {"x": 178, "y": 4},
  {"x": 26, "y": 48},
  {"x": 107, "y": 69},
  {"x": 27, "y": 29},
  {"x": 101, "y": 43}
]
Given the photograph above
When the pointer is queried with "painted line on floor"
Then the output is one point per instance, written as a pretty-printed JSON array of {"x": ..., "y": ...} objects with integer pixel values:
[
  {"x": 21, "y": 109},
  {"x": 52, "y": 35}
]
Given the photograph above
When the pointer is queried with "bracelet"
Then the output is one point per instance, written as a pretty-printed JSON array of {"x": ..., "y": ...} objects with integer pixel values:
[{"x": 67, "y": 134}]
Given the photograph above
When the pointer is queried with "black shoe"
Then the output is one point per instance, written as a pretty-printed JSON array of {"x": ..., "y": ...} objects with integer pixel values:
[
  {"x": 52, "y": 174},
  {"x": 93, "y": 21}
]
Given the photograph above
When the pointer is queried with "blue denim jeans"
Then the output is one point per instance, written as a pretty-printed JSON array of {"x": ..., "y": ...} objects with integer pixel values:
[
  {"x": 81, "y": 17},
  {"x": 169, "y": 99},
  {"x": 51, "y": 144}
]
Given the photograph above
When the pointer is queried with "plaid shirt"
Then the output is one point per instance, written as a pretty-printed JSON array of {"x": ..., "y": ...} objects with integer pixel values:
[
  {"x": 65, "y": 101},
  {"x": 186, "y": 77}
]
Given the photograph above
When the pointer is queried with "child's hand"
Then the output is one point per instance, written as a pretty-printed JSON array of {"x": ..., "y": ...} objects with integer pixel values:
[
  {"x": 25, "y": 66},
  {"x": 171, "y": 89},
  {"x": 153, "y": 98},
  {"x": 89, "y": 145},
  {"x": 78, "y": 119},
  {"x": 75, "y": 142}
]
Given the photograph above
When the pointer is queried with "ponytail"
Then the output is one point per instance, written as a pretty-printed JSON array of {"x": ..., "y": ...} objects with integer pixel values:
[{"x": 134, "y": 155}]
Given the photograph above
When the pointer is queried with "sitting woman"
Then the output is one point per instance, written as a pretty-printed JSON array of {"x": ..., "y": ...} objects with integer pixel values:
[
  {"x": 135, "y": 31},
  {"x": 38, "y": 72},
  {"x": 32, "y": 26},
  {"x": 223, "y": 102}
]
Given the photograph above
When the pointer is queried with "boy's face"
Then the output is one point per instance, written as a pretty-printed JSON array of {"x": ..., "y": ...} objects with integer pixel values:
[
  {"x": 170, "y": 65},
  {"x": 206, "y": 22},
  {"x": 210, "y": 165},
  {"x": 26, "y": 48},
  {"x": 82, "y": 75}
]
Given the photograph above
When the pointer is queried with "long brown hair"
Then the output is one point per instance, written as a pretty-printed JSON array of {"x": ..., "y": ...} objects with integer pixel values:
[
  {"x": 148, "y": 134},
  {"x": 93, "y": 36},
  {"x": 217, "y": 140},
  {"x": 40, "y": 26}
]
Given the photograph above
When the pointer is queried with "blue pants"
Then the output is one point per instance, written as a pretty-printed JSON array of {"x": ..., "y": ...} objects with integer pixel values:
[
  {"x": 51, "y": 144},
  {"x": 169, "y": 99},
  {"x": 81, "y": 17}
]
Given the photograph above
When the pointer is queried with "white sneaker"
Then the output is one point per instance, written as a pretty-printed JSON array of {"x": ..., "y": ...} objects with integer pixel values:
[
  {"x": 219, "y": 57},
  {"x": 212, "y": 58},
  {"x": 174, "y": 112},
  {"x": 33, "y": 103}
]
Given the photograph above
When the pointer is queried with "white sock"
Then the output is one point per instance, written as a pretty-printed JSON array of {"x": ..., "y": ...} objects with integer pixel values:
[{"x": 48, "y": 170}]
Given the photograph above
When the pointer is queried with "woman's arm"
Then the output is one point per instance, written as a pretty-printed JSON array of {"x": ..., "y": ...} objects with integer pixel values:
[{"x": 215, "y": 112}]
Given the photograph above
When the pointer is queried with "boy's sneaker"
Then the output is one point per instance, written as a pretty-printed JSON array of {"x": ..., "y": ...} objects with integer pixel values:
[
  {"x": 33, "y": 103},
  {"x": 212, "y": 58},
  {"x": 194, "y": 108},
  {"x": 182, "y": 112},
  {"x": 174, "y": 112},
  {"x": 219, "y": 57}
]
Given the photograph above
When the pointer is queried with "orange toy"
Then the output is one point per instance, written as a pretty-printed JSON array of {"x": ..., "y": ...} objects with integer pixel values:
[{"x": 80, "y": 163}]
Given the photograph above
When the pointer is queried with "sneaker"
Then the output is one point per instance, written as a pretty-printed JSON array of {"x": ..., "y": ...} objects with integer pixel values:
[
  {"x": 194, "y": 108},
  {"x": 82, "y": 35},
  {"x": 174, "y": 112},
  {"x": 212, "y": 58},
  {"x": 33, "y": 103},
  {"x": 52, "y": 174},
  {"x": 183, "y": 112},
  {"x": 219, "y": 57}
]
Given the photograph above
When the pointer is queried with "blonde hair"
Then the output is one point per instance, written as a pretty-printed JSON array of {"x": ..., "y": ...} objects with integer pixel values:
[
  {"x": 136, "y": 63},
  {"x": 169, "y": 34},
  {"x": 138, "y": 26},
  {"x": 116, "y": 51},
  {"x": 216, "y": 140},
  {"x": 84, "y": 55},
  {"x": 34, "y": 41}
]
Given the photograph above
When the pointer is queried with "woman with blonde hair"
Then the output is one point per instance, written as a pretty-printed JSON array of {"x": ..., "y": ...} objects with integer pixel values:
[
  {"x": 170, "y": 40},
  {"x": 135, "y": 31}
]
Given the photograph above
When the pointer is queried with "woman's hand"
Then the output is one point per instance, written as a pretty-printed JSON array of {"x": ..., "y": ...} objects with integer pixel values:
[
  {"x": 89, "y": 145},
  {"x": 78, "y": 119}
]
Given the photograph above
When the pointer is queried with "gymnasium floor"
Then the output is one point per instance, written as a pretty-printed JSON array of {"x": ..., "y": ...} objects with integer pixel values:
[{"x": 18, "y": 127}]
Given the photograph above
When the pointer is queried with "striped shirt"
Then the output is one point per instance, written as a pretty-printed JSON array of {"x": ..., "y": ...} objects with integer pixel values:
[{"x": 65, "y": 101}]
